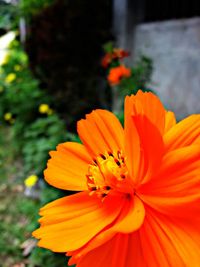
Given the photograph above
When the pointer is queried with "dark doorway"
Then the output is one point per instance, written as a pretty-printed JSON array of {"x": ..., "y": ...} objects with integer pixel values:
[{"x": 157, "y": 10}]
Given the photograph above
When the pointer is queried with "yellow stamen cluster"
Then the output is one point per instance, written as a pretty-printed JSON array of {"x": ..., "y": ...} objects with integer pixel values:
[{"x": 107, "y": 173}]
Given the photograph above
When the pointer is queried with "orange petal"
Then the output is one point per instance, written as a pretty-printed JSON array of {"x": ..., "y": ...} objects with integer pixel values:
[
  {"x": 184, "y": 133},
  {"x": 144, "y": 158},
  {"x": 69, "y": 223},
  {"x": 68, "y": 167},
  {"x": 98, "y": 257},
  {"x": 176, "y": 187},
  {"x": 170, "y": 120},
  {"x": 149, "y": 104},
  {"x": 101, "y": 132},
  {"x": 100, "y": 239},
  {"x": 133, "y": 214},
  {"x": 151, "y": 147},
  {"x": 130, "y": 220},
  {"x": 121, "y": 251},
  {"x": 169, "y": 242},
  {"x": 132, "y": 146},
  {"x": 143, "y": 140}
]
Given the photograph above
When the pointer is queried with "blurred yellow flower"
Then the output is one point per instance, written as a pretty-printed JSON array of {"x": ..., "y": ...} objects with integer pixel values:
[
  {"x": 31, "y": 180},
  {"x": 7, "y": 116},
  {"x": 17, "y": 67},
  {"x": 10, "y": 77},
  {"x": 44, "y": 108},
  {"x": 5, "y": 59}
]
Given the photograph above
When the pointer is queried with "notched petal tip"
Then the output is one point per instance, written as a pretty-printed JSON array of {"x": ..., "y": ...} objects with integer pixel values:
[
  {"x": 184, "y": 133},
  {"x": 35, "y": 234},
  {"x": 101, "y": 131},
  {"x": 148, "y": 104},
  {"x": 67, "y": 167}
]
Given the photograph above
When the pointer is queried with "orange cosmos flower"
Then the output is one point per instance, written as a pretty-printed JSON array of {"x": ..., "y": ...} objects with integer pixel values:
[
  {"x": 139, "y": 204},
  {"x": 120, "y": 53},
  {"x": 117, "y": 53},
  {"x": 106, "y": 60},
  {"x": 117, "y": 73}
]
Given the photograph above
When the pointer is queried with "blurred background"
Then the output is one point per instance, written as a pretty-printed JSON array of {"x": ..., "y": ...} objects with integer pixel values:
[{"x": 60, "y": 59}]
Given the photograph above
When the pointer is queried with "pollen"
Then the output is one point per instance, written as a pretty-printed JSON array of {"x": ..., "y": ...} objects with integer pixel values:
[{"x": 108, "y": 173}]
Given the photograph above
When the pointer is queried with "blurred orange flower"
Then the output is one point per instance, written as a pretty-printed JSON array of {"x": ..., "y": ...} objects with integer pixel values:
[
  {"x": 116, "y": 74},
  {"x": 106, "y": 60},
  {"x": 139, "y": 200},
  {"x": 117, "y": 53},
  {"x": 120, "y": 53}
]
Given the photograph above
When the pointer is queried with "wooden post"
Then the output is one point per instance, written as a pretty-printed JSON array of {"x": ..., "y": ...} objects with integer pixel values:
[{"x": 120, "y": 9}]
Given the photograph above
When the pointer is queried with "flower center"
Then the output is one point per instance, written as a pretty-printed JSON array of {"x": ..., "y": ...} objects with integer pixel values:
[{"x": 108, "y": 173}]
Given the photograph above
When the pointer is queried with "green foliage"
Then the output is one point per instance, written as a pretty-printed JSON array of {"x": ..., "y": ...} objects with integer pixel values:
[
  {"x": 18, "y": 216},
  {"x": 120, "y": 116},
  {"x": 32, "y": 128},
  {"x": 140, "y": 76},
  {"x": 125, "y": 80},
  {"x": 108, "y": 47},
  {"x": 141, "y": 71},
  {"x": 11, "y": 13},
  {"x": 44, "y": 256},
  {"x": 39, "y": 138},
  {"x": 13, "y": 224},
  {"x": 8, "y": 16},
  {"x": 20, "y": 92},
  {"x": 35, "y": 131},
  {"x": 30, "y": 8}
]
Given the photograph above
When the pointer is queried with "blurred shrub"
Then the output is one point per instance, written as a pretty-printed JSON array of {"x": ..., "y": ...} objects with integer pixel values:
[
  {"x": 140, "y": 77},
  {"x": 30, "y": 8},
  {"x": 26, "y": 107},
  {"x": 64, "y": 45},
  {"x": 19, "y": 92},
  {"x": 124, "y": 80},
  {"x": 27, "y": 110},
  {"x": 135, "y": 77},
  {"x": 8, "y": 16},
  {"x": 40, "y": 137}
]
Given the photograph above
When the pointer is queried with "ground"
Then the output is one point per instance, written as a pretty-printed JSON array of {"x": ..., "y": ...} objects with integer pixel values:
[{"x": 19, "y": 214}]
